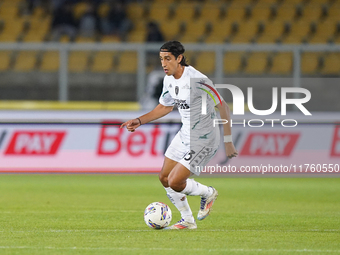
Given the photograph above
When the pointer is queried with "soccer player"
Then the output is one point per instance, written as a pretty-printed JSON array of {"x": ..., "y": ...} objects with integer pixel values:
[{"x": 197, "y": 140}]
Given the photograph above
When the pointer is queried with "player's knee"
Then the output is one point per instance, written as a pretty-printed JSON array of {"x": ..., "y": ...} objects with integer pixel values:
[{"x": 175, "y": 185}]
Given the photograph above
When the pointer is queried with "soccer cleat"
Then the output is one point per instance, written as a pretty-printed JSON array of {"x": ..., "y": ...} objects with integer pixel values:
[
  {"x": 182, "y": 224},
  {"x": 206, "y": 204}
]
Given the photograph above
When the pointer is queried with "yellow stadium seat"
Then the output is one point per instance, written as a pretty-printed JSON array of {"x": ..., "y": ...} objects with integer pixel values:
[
  {"x": 194, "y": 31},
  {"x": 159, "y": 11},
  {"x": 331, "y": 64},
  {"x": 164, "y": 1},
  {"x": 12, "y": 30},
  {"x": 299, "y": 31},
  {"x": 85, "y": 39},
  {"x": 50, "y": 61},
  {"x": 260, "y": 13},
  {"x": 39, "y": 28},
  {"x": 240, "y": 3},
  {"x": 5, "y": 59},
  {"x": 80, "y": 9},
  {"x": 272, "y": 32},
  {"x": 313, "y": 2},
  {"x": 292, "y": 2},
  {"x": 246, "y": 31},
  {"x": 170, "y": 28},
  {"x": 25, "y": 61},
  {"x": 210, "y": 11},
  {"x": 257, "y": 63},
  {"x": 324, "y": 31},
  {"x": 8, "y": 37},
  {"x": 220, "y": 31},
  {"x": 309, "y": 62},
  {"x": 282, "y": 63},
  {"x": 135, "y": 11},
  {"x": 110, "y": 39},
  {"x": 337, "y": 40},
  {"x": 205, "y": 62},
  {"x": 235, "y": 13},
  {"x": 64, "y": 39},
  {"x": 311, "y": 12},
  {"x": 34, "y": 37},
  {"x": 39, "y": 12},
  {"x": 103, "y": 9},
  {"x": 9, "y": 10},
  {"x": 266, "y": 2},
  {"x": 334, "y": 12},
  {"x": 137, "y": 36},
  {"x": 78, "y": 61},
  {"x": 185, "y": 11},
  {"x": 232, "y": 62},
  {"x": 286, "y": 12},
  {"x": 127, "y": 62},
  {"x": 103, "y": 61}
]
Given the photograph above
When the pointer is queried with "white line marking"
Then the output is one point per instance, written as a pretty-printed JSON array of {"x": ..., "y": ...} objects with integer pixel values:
[
  {"x": 173, "y": 249},
  {"x": 78, "y": 211},
  {"x": 148, "y": 230}
]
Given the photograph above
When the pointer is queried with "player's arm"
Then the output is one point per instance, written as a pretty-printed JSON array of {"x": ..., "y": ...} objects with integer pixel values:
[
  {"x": 228, "y": 143},
  {"x": 158, "y": 112}
]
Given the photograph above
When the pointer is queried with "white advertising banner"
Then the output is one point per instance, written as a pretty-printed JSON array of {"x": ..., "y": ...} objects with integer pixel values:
[{"x": 95, "y": 143}]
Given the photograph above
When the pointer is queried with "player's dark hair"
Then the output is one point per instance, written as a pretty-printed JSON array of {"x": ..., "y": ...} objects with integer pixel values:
[{"x": 176, "y": 49}]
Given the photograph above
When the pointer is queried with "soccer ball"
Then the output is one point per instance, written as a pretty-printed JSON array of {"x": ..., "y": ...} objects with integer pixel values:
[{"x": 157, "y": 215}]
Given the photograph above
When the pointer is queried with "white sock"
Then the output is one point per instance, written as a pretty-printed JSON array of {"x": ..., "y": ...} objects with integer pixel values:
[
  {"x": 194, "y": 188},
  {"x": 180, "y": 201}
]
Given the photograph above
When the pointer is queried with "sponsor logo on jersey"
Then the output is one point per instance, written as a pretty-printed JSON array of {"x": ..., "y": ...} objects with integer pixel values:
[{"x": 181, "y": 104}]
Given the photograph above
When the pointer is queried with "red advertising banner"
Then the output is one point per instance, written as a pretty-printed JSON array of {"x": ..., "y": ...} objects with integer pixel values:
[
  {"x": 35, "y": 143},
  {"x": 335, "y": 148},
  {"x": 270, "y": 144}
]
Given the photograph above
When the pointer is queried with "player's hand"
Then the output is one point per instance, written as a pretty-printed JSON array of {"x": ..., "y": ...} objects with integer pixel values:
[
  {"x": 230, "y": 150},
  {"x": 131, "y": 125}
]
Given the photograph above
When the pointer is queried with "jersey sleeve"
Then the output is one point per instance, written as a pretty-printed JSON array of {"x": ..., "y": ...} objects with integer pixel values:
[
  {"x": 165, "y": 98},
  {"x": 206, "y": 86}
]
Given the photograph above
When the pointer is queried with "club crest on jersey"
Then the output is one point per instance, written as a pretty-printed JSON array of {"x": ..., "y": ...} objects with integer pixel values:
[{"x": 176, "y": 90}]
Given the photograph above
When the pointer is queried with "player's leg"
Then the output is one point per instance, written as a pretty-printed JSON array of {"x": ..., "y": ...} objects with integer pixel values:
[
  {"x": 179, "y": 200},
  {"x": 179, "y": 181},
  {"x": 199, "y": 157},
  {"x": 176, "y": 180},
  {"x": 168, "y": 165}
]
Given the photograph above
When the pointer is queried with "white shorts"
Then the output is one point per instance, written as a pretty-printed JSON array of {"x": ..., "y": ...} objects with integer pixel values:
[{"x": 192, "y": 157}]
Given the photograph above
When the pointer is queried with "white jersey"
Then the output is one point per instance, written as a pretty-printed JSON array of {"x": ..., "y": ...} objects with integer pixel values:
[{"x": 187, "y": 93}]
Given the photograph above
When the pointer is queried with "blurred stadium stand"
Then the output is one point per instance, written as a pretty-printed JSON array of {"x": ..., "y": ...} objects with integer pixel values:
[{"x": 100, "y": 75}]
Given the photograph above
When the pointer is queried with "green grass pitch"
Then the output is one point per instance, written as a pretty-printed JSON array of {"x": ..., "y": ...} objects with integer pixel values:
[{"x": 103, "y": 214}]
